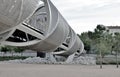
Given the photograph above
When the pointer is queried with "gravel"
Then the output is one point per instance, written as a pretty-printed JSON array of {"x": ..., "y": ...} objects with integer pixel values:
[{"x": 83, "y": 60}]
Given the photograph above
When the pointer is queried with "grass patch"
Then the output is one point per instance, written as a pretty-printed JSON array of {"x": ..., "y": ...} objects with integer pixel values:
[
  {"x": 107, "y": 61},
  {"x": 6, "y": 58}
]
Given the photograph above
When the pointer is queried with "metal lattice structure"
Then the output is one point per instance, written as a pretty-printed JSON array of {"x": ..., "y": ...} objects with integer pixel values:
[{"x": 37, "y": 25}]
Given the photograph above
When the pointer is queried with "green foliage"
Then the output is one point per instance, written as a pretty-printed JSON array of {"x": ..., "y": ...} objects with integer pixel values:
[
  {"x": 11, "y": 49},
  {"x": 108, "y": 60},
  {"x": 18, "y": 50},
  {"x": 98, "y": 41},
  {"x": 6, "y": 58},
  {"x": 5, "y": 49},
  {"x": 103, "y": 47},
  {"x": 116, "y": 42},
  {"x": 99, "y": 31},
  {"x": 86, "y": 40},
  {"x": 100, "y": 28}
]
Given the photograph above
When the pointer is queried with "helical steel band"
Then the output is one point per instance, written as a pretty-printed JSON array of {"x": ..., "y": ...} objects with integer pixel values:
[{"x": 37, "y": 25}]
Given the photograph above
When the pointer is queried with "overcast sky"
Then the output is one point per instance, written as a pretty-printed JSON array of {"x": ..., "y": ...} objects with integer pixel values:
[{"x": 84, "y": 15}]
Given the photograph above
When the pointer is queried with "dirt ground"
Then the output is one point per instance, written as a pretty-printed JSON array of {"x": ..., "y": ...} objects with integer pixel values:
[{"x": 39, "y": 70}]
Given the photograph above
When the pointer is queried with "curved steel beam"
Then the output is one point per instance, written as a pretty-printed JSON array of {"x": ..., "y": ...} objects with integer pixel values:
[{"x": 37, "y": 25}]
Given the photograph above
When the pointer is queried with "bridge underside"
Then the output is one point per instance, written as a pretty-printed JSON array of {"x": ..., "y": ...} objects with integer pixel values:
[{"x": 37, "y": 25}]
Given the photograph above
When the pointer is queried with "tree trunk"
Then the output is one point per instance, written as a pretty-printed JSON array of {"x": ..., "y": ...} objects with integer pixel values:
[
  {"x": 12, "y": 54},
  {"x": 21, "y": 54},
  {"x": 101, "y": 59},
  {"x": 117, "y": 64}
]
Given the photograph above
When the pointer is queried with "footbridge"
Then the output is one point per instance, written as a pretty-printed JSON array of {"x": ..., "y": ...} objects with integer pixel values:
[{"x": 37, "y": 25}]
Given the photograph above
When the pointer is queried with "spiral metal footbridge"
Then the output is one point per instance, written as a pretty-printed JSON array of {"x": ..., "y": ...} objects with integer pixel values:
[{"x": 37, "y": 25}]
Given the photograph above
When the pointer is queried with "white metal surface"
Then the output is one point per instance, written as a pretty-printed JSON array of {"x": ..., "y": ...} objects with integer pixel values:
[{"x": 37, "y": 25}]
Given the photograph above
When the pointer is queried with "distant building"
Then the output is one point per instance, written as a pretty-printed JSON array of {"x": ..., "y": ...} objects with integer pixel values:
[{"x": 113, "y": 29}]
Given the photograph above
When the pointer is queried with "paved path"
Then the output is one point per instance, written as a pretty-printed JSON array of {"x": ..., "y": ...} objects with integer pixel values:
[{"x": 38, "y": 70}]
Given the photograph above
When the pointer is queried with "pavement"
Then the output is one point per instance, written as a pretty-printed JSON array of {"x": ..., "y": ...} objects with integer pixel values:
[{"x": 40, "y": 70}]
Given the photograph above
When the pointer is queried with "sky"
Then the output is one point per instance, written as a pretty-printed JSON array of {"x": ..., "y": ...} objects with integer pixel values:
[{"x": 84, "y": 15}]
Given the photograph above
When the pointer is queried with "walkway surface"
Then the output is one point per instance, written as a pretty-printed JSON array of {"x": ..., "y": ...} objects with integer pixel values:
[{"x": 38, "y": 70}]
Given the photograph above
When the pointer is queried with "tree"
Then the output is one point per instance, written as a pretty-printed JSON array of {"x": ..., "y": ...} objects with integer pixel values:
[
  {"x": 116, "y": 46},
  {"x": 10, "y": 48},
  {"x": 103, "y": 47},
  {"x": 98, "y": 31},
  {"x": 86, "y": 40},
  {"x": 99, "y": 41},
  {"x": 19, "y": 50},
  {"x": 5, "y": 49},
  {"x": 116, "y": 42},
  {"x": 90, "y": 39}
]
